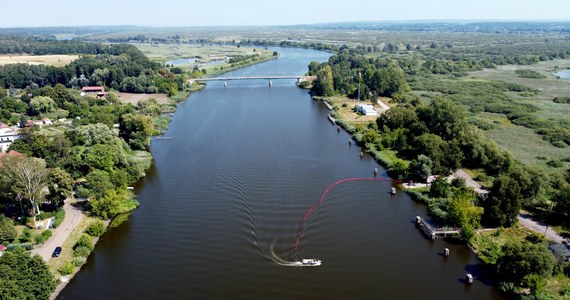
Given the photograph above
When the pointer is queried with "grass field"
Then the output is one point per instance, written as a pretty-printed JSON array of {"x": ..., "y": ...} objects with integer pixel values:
[
  {"x": 522, "y": 142},
  {"x": 205, "y": 53},
  {"x": 50, "y": 60},
  {"x": 213, "y": 58},
  {"x": 527, "y": 146}
]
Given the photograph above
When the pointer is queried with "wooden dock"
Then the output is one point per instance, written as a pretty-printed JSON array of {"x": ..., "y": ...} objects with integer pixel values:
[{"x": 433, "y": 232}]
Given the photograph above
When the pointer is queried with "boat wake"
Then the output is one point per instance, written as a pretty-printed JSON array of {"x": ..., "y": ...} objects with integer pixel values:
[{"x": 306, "y": 262}]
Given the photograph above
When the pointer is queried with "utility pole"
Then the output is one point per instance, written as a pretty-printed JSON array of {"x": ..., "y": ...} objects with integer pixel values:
[{"x": 359, "y": 78}]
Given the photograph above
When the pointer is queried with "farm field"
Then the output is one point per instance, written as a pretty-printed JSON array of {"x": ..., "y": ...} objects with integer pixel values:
[{"x": 50, "y": 60}]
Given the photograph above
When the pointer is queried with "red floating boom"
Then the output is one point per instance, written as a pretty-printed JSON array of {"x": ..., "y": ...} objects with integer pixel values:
[{"x": 316, "y": 205}]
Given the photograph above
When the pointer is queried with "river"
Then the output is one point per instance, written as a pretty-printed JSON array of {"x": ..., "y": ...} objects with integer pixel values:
[{"x": 222, "y": 204}]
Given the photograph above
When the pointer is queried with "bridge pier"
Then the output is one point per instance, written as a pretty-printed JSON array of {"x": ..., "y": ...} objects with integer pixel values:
[
  {"x": 270, "y": 83},
  {"x": 225, "y": 84}
]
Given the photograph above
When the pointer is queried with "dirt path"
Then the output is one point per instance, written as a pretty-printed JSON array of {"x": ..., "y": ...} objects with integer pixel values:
[{"x": 72, "y": 218}]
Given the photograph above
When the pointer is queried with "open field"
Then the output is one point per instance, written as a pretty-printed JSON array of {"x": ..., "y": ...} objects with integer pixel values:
[
  {"x": 345, "y": 110},
  {"x": 548, "y": 88},
  {"x": 135, "y": 98},
  {"x": 204, "y": 53},
  {"x": 527, "y": 146},
  {"x": 493, "y": 89},
  {"x": 50, "y": 60}
]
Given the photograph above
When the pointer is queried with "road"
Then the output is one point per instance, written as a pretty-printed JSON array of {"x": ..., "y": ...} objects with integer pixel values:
[
  {"x": 529, "y": 222},
  {"x": 72, "y": 218}
]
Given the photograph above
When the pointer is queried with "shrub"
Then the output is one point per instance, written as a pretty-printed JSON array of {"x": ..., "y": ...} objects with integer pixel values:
[
  {"x": 529, "y": 74},
  {"x": 559, "y": 144},
  {"x": 66, "y": 269},
  {"x": 79, "y": 261},
  {"x": 26, "y": 235},
  {"x": 81, "y": 252},
  {"x": 59, "y": 215},
  {"x": 84, "y": 241},
  {"x": 26, "y": 246},
  {"x": 44, "y": 236},
  {"x": 563, "y": 100},
  {"x": 96, "y": 228},
  {"x": 7, "y": 230},
  {"x": 555, "y": 163}
]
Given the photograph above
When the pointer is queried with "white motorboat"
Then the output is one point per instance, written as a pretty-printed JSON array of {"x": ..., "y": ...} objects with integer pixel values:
[{"x": 311, "y": 262}]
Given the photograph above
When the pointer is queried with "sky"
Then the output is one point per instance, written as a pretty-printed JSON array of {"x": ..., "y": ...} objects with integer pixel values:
[{"x": 40, "y": 13}]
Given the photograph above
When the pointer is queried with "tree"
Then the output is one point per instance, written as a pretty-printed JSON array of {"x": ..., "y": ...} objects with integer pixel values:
[
  {"x": 440, "y": 188},
  {"x": 92, "y": 134},
  {"x": 444, "y": 118},
  {"x": 503, "y": 203},
  {"x": 28, "y": 178},
  {"x": 42, "y": 104},
  {"x": 112, "y": 204},
  {"x": 562, "y": 207},
  {"x": 420, "y": 168},
  {"x": 397, "y": 117},
  {"x": 60, "y": 185},
  {"x": 463, "y": 212},
  {"x": 24, "y": 277},
  {"x": 102, "y": 157},
  {"x": 149, "y": 107},
  {"x": 98, "y": 183},
  {"x": 521, "y": 259},
  {"x": 136, "y": 130},
  {"x": 323, "y": 85},
  {"x": 7, "y": 230}
]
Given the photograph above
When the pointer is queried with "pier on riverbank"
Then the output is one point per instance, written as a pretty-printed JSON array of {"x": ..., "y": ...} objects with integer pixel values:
[{"x": 433, "y": 232}]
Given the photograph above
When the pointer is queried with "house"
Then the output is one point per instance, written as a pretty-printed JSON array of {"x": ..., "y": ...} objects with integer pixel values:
[
  {"x": 2, "y": 249},
  {"x": 98, "y": 90},
  {"x": 7, "y": 137},
  {"x": 367, "y": 110},
  {"x": 46, "y": 121}
]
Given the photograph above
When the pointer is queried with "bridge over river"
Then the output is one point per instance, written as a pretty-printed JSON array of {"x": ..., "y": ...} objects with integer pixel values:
[{"x": 270, "y": 78}]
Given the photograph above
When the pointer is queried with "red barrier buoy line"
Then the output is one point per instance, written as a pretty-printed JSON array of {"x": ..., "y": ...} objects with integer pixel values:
[{"x": 316, "y": 205}]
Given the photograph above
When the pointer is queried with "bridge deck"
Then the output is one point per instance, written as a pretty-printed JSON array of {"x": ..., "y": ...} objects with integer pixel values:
[{"x": 267, "y": 77}]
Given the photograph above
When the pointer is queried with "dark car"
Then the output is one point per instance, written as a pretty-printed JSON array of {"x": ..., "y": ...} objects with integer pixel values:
[{"x": 56, "y": 252}]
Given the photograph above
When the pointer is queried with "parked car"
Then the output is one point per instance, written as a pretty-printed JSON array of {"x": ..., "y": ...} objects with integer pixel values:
[{"x": 56, "y": 252}]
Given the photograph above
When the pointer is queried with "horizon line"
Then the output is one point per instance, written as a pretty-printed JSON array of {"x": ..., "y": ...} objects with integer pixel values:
[{"x": 400, "y": 21}]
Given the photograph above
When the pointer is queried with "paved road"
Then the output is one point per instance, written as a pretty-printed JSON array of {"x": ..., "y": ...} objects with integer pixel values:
[
  {"x": 529, "y": 222},
  {"x": 72, "y": 218}
]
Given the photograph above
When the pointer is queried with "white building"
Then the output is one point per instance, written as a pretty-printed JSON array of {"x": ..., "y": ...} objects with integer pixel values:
[
  {"x": 7, "y": 136},
  {"x": 367, "y": 110}
]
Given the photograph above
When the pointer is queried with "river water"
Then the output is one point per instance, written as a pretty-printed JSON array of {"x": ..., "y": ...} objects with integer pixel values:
[{"x": 222, "y": 204}]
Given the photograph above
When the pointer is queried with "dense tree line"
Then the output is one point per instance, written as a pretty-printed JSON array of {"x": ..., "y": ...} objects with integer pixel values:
[
  {"x": 121, "y": 67},
  {"x": 358, "y": 76},
  {"x": 34, "y": 47}
]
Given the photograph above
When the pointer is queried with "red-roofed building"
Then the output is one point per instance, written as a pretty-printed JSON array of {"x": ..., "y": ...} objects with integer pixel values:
[
  {"x": 2, "y": 249},
  {"x": 99, "y": 90}
]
